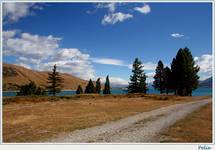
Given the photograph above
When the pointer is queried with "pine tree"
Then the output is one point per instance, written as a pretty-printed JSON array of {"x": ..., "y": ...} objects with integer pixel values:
[
  {"x": 54, "y": 81},
  {"x": 90, "y": 88},
  {"x": 137, "y": 82},
  {"x": 107, "y": 86},
  {"x": 184, "y": 71},
  {"x": 79, "y": 90},
  {"x": 142, "y": 84},
  {"x": 167, "y": 79},
  {"x": 174, "y": 75},
  {"x": 159, "y": 77},
  {"x": 98, "y": 86}
]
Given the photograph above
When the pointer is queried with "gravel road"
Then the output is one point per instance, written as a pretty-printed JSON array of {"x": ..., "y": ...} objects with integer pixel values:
[{"x": 143, "y": 127}]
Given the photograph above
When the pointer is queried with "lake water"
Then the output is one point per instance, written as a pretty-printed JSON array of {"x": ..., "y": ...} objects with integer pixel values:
[{"x": 202, "y": 91}]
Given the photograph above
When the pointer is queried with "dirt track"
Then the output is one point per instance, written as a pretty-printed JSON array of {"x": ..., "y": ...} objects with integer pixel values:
[{"x": 143, "y": 127}]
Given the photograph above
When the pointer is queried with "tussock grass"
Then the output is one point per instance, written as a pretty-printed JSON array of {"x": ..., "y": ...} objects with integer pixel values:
[
  {"x": 196, "y": 127},
  {"x": 33, "y": 118}
]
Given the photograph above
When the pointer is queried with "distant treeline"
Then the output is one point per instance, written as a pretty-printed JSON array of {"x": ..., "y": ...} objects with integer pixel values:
[{"x": 181, "y": 78}]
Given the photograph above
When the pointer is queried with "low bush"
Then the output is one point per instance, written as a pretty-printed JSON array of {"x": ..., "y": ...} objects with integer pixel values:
[{"x": 31, "y": 89}]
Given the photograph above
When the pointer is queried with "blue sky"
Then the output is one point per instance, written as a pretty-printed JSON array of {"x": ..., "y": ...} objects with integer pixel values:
[{"x": 91, "y": 40}]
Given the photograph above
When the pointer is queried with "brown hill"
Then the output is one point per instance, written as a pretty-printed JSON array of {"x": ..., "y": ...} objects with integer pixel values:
[{"x": 15, "y": 76}]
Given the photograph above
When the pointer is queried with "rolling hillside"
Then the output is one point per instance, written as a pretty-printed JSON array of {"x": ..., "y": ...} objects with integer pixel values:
[{"x": 14, "y": 76}]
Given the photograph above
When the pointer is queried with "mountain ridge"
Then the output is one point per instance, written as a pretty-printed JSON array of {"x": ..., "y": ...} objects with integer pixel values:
[
  {"x": 206, "y": 83},
  {"x": 15, "y": 76}
]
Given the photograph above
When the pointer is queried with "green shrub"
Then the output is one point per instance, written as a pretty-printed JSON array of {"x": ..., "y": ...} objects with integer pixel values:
[{"x": 31, "y": 89}]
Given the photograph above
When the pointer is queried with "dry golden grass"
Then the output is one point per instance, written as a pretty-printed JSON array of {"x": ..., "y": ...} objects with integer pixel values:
[
  {"x": 29, "y": 119},
  {"x": 196, "y": 127}
]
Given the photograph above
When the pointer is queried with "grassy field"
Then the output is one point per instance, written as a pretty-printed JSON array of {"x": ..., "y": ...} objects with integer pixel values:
[
  {"x": 196, "y": 127},
  {"x": 32, "y": 119}
]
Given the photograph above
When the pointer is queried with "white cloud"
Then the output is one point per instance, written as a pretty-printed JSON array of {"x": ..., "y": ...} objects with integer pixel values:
[
  {"x": 110, "y": 6},
  {"x": 149, "y": 66},
  {"x": 28, "y": 45},
  {"x": 205, "y": 63},
  {"x": 146, "y": 66},
  {"x": 73, "y": 61},
  {"x": 13, "y": 11},
  {"x": 42, "y": 52},
  {"x": 9, "y": 34},
  {"x": 113, "y": 18},
  {"x": 114, "y": 81},
  {"x": 109, "y": 61},
  {"x": 150, "y": 74},
  {"x": 177, "y": 35},
  {"x": 145, "y": 9}
]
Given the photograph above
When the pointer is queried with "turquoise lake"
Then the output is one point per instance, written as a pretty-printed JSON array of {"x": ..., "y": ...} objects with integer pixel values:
[{"x": 201, "y": 91}]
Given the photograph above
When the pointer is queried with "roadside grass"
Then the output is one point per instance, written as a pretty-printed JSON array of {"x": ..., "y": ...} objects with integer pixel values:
[
  {"x": 37, "y": 118},
  {"x": 196, "y": 127}
]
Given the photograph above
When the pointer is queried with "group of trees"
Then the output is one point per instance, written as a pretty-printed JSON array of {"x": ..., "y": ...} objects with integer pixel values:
[
  {"x": 54, "y": 86},
  {"x": 162, "y": 80},
  {"x": 90, "y": 88},
  {"x": 181, "y": 79}
]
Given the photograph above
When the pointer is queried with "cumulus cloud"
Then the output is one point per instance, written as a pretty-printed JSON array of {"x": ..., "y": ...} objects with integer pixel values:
[
  {"x": 42, "y": 52},
  {"x": 73, "y": 61},
  {"x": 145, "y": 9},
  {"x": 113, "y": 18},
  {"x": 13, "y": 11},
  {"x": 28, "y": 45},
  {"x": 205, "y": 63},
  {"x": 115, "y": 81},
  {"x": 177, "y": 35},
  {"x": 8, "y": 34},
  {"x": 109, "y": 61},
  {"x": 110, "y": 6}
]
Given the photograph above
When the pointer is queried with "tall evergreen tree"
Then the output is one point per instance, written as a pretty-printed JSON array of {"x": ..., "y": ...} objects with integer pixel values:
[
  {"x": 107, "y": 86},
  {"x": 90, "y": 88},
  {"x": 159, "y": 77},
  {"x": 79, "y": 90},
  {"x": 184, "y": 71},
  {"x": 167, "y": 79},
  {"x": 54, "y": 81},
  {"x": 137, "y": 82},
  {"x": 142, "y": 84},
  {"x": 98, "y": 86},
  {"x": 174, "y": 75}
]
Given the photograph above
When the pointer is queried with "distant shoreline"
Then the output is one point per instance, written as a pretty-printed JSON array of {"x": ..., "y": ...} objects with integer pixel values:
[{"x": 113, "y": 88}]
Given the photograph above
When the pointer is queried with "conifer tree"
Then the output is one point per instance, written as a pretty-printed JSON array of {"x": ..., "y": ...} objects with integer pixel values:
[
  {"x": 142, "y": 84},
  {"x": 167, "y": 79},
  {"x": 137, "y": 82},
  {"x": 79, "y": 90},
  {"x": 184, "y": 72},
  {"x": 98, "y": 86},
  {"x": 90, "y": 88},
  {"x": 107, "y": 86},
  {"x": 54, "y": 81},
  {"x": 159, "y": 82}
]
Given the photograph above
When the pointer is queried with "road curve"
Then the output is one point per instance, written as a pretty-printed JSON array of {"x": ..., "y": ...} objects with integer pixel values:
[{"x": 141, "y": 128}]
